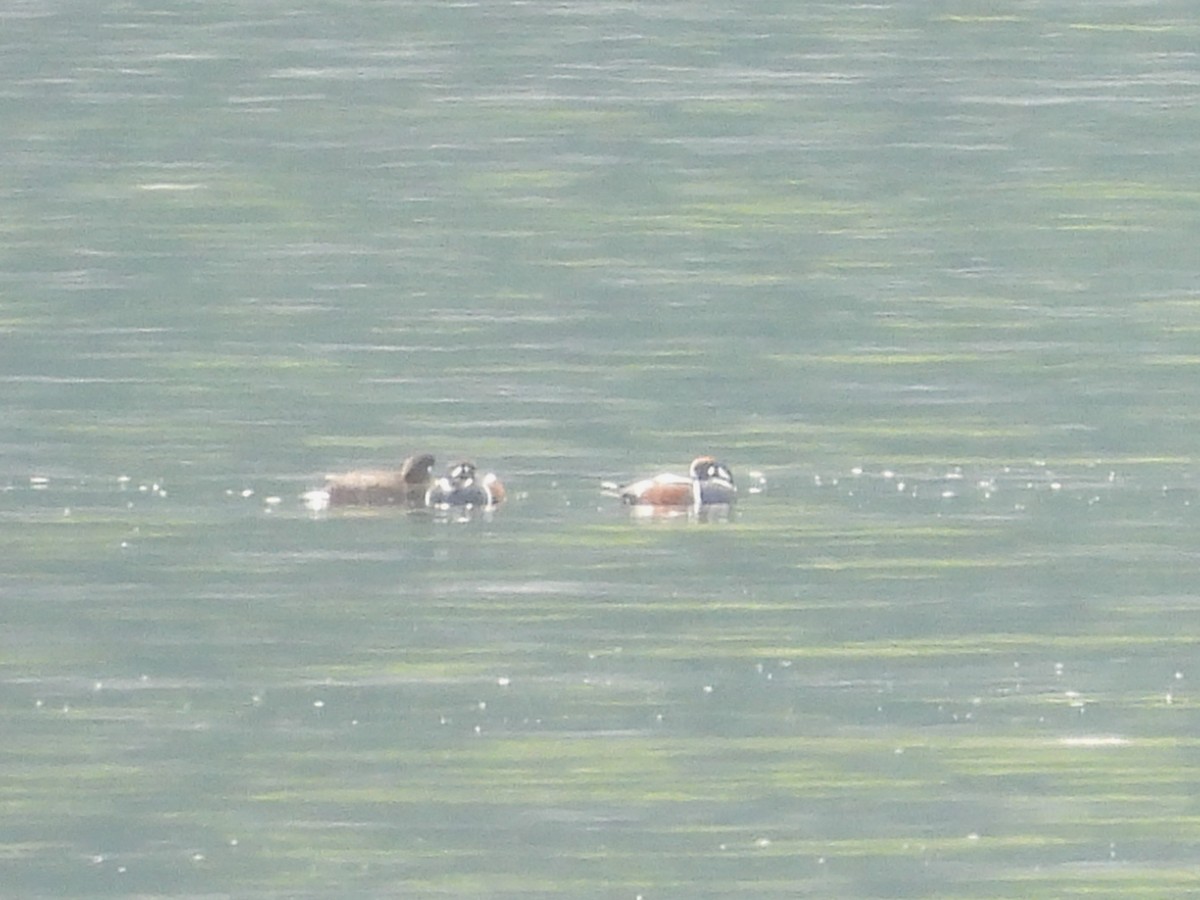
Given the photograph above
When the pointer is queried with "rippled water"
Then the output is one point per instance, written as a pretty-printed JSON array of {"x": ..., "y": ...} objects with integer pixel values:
[{"x": 922, "y": 276}]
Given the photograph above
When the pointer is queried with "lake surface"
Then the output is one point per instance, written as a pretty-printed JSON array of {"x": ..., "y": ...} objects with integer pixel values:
[{"x": 923, "y": 275}]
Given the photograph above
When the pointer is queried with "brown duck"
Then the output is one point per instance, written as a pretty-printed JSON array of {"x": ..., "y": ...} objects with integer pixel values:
[{"x": 405, "y": 486}]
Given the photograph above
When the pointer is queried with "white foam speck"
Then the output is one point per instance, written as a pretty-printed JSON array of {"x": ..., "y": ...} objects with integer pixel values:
[{"x": 316, "y": 500}]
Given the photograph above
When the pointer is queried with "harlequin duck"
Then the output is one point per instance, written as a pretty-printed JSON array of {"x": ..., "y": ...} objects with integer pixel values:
[
  {"x": 709, "y": 483},
  {"x": 461, "y": 486}
]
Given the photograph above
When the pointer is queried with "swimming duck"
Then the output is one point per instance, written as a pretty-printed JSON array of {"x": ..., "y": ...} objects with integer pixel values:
[
  {"x": 708, "y": 483},
  {"x": 461, "y": 486},
  {"x": 405, "y": 486}
]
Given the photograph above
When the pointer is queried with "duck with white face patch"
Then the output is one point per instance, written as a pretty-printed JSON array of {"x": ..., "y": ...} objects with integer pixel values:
[
  {"x": 462, "y": 486},
  {"x": 708, "y": 483}
]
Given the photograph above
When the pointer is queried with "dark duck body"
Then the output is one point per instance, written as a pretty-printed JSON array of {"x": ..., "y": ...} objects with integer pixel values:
[{"x": 463, "y": 486}]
